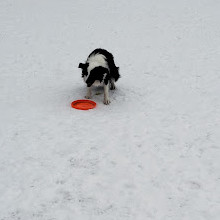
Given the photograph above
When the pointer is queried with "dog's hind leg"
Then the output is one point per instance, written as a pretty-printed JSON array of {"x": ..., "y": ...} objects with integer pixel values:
[
  {"x": 106, "y": 94},
  {"x": 89, "y": 93},
  {"x": 112, "y": 84}
]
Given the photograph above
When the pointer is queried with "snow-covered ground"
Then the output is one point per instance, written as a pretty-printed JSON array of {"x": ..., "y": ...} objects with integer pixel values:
[{"x": 153, "y": 153}]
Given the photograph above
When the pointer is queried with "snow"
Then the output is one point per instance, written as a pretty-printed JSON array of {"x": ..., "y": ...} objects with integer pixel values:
[{"x": 153, "y": 153}]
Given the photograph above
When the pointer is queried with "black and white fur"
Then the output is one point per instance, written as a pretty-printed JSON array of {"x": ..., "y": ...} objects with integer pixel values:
[{"x": 99, "y": 69}]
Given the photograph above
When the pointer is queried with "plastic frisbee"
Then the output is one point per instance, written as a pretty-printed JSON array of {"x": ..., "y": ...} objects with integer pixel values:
[{"x": 83, "y": 104}]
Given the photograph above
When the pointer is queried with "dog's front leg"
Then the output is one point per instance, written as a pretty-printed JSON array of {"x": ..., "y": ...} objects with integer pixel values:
[
  {"x": 89, "y": 93},
  {"x": 106, "y": 95}
]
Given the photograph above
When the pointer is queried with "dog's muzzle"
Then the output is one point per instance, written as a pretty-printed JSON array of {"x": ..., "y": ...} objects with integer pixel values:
[{"x": 89, "y": 82}]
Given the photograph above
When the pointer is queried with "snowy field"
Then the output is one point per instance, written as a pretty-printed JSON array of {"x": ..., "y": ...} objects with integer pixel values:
[{"x": 153, "y": 153}]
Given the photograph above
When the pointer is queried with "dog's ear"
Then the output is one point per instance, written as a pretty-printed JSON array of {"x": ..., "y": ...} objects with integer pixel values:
[{"x": 83, "y": 65}]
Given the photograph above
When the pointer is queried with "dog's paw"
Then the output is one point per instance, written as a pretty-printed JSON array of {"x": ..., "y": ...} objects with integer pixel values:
[
  {"x": 106, "y": 101},
  {"x": 88, "y": 97}
]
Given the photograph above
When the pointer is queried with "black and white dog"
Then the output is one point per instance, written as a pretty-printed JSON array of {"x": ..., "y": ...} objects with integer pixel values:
[{"x": 99, "y": 69}]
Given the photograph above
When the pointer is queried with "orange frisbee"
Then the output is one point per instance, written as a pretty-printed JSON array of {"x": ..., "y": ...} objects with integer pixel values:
[{"x": 83, "y": 104}]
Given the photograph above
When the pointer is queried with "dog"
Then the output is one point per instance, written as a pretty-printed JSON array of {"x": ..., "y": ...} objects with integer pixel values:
[{"x": 100, "y": 70}]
